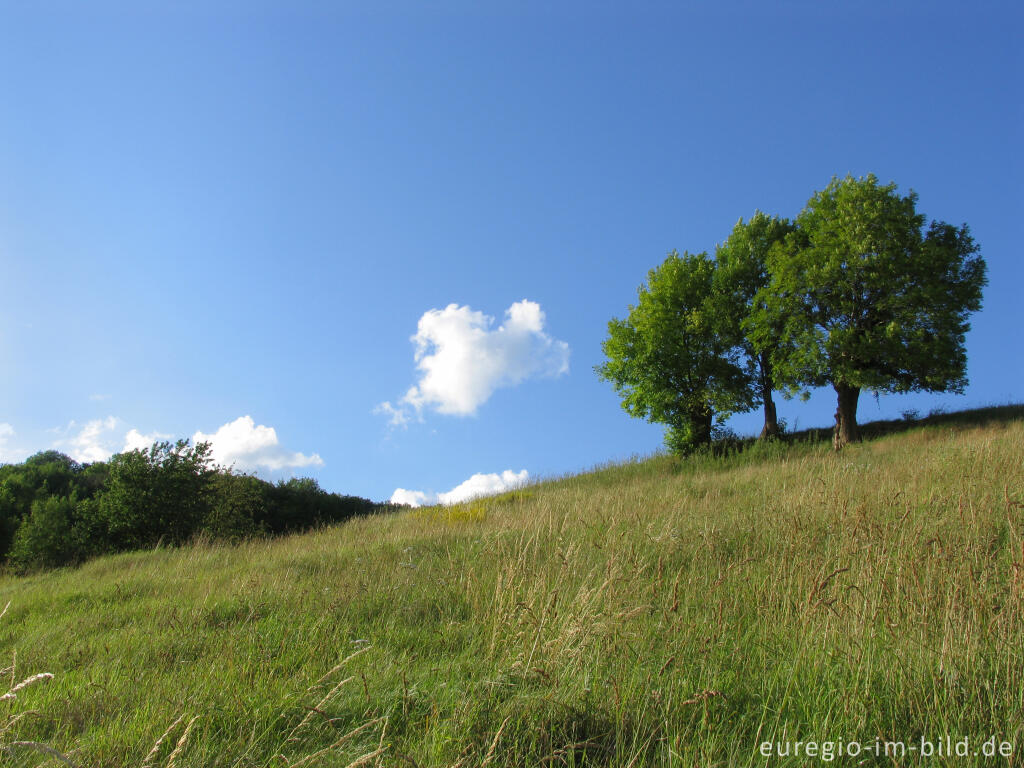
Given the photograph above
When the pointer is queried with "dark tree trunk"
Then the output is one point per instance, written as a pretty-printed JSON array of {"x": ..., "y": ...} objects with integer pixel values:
[
  {"x": 771, "y": 420},
  {"x": 702, "y": 426},
  {"x": 846, "y": 430}
]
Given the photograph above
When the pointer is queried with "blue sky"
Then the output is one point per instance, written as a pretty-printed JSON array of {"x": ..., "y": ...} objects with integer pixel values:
[{"x": 230, "y": 220}]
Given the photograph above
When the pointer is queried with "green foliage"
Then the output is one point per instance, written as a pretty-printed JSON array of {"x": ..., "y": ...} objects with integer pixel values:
[
  {"x": 45, "y": 538},
  {"x": 162, "y": 494},
  {"x": 238, "y": 502},
  {"x": 741, "y": 274},
  {"x": 668, "y": 360},
  {"x": 55, "y": 511},
  {"x": 855, "y": 294},
  {"x": 742, "y": 266},
  {"x": 300, "y": 503},
  {"x": 10, "y": 515},
  {"x": 26, "y": 493},
  {"x": 862, "y": 296}
]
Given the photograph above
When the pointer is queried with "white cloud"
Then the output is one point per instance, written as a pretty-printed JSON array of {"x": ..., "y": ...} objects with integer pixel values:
[
  {"x": 135, "y": 440},
  {"x": 94, "y": 441},
  {"x": 98, "y": 440},
  {"x": 484, "y": 485},
  {"x": 397, "y": 417},
  {"x": 250, "y": 446},
  {"x": 463, "y": 359},
  {"x": 9, "y": 455},
  {"x": 478, "y": 485},
  {"x": 241, "y": 443},
  {"x": 412, "y": 498}
]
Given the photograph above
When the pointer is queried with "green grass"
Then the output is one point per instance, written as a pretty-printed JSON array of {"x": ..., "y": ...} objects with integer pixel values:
[{"x": 654, "y": 613}]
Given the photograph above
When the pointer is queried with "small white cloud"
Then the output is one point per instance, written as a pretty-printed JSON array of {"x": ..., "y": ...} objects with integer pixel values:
[
  {"x": 397, "y": 417},
  {"x": 241, "y": 443},
  {"x": 412, "y": 498},
  {"x": 484, "y": 485},
  {"x": 249, "y": 446},
  {"x": 136, "y": 441},
  {"x": 9, "y": 455},
  {"x": 98, "y": 440},
  {"x": 463, "y": 359},
  {"x": 98, "y": 398},
  {"x": 476, "y": 486},
  {"x": 93, "y": 441}
]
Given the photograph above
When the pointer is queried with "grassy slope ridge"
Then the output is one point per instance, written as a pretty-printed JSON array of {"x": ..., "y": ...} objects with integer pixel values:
[{"x": 654, "y": 613}]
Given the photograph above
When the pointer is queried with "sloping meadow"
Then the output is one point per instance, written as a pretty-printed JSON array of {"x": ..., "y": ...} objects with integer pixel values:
[{"x": 705, "y": 612}]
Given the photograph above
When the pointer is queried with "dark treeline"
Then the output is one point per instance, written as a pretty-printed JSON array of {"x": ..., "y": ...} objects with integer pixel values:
[{"x": 55, "y": 511}]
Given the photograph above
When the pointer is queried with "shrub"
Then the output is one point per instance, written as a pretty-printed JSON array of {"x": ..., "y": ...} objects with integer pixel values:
[{"x": 44, "y": 539}]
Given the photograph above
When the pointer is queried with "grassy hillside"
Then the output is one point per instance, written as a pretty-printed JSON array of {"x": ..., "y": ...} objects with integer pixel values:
[{"x": 656, "y": 613}]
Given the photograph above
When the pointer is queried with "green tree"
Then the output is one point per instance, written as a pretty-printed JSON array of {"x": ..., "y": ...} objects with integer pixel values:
[
  {"x": 160, "y": 494},
  {"x": 238, "y": 501},
  {"x": 741, "y": 273},
  {"x": 668, "y": 360},
  {"x": 11, "y": 509},
  {"x": 46, "y": 475},
  {"x": 44, "y": 539},
  {"x": 864, "y": 297}
]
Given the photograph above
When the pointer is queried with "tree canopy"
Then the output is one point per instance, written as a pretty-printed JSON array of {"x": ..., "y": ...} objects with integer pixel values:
[
  {"x": 855, "y": 294},
  {"x": 671, "y": 359},
  {"x": 55, "y": 511},
  {"x": 741, "y": 273},
  {"x": 863, "y": 297}
]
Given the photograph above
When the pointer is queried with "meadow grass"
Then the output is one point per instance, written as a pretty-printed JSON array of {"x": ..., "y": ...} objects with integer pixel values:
[{"x": 654, "y": 613}]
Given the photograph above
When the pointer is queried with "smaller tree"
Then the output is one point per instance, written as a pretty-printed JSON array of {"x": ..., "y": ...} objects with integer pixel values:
[
  {"x": 863, "y": 297},
  {"x": 44, "y": 539},
  {"x": 668, "y": 360},
  {"x": 238, "y": 501},
  {"x": 741, "y": 273},
  {"x": 160, "y": 494}
]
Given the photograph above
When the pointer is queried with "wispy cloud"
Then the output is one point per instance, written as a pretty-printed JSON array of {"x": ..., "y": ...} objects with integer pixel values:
[
  {"x": 477, "y": 485},
  {"x": 95, "y": 440},
  {"x": 98, "y": 439},
  {"x": 249, "y": 446},
  {"x": 241, "y": 443},
  {"x": 9, "y": 454},
  {"x": 397, "y": 417},
  {"x": 462, "y": 359}
]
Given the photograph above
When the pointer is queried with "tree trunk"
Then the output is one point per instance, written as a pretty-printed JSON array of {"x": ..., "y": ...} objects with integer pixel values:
[
  {"x": 846, "y": 430},
  {"x": 771, "y": 420},
  {"x": 702, "y": 421}
]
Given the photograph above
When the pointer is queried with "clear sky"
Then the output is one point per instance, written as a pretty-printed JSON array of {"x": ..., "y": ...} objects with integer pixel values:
[{"x": 288, "y": 226}]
